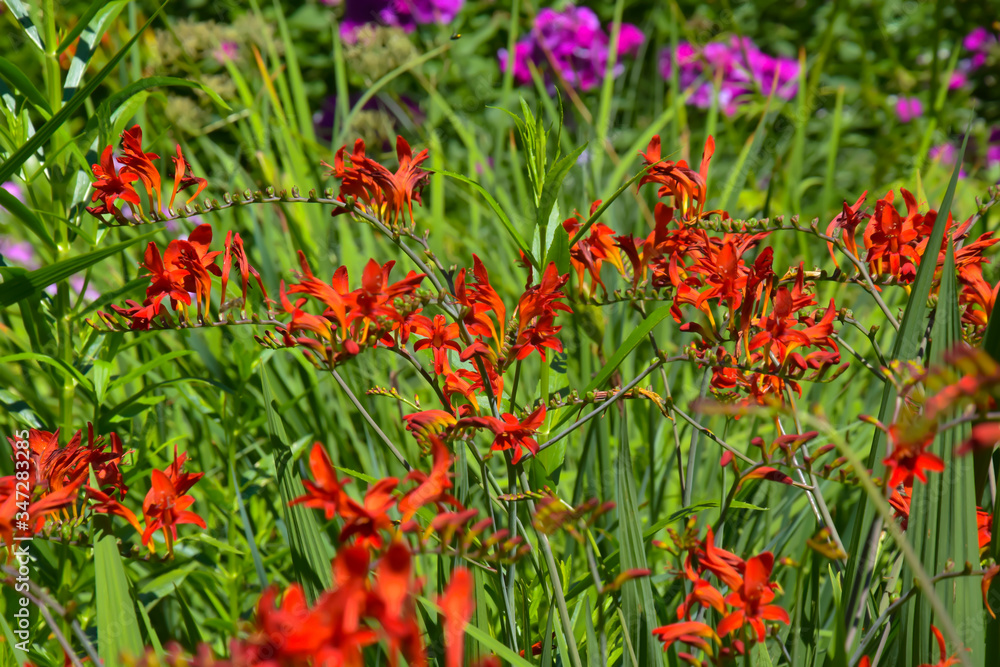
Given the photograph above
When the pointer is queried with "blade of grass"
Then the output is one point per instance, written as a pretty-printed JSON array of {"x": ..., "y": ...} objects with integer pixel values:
[
  {"x": 20, "y": 13},
  {"x": 831, "y": 152},
  {"x": 504, "y": 219},
  {"x": 117, "y": 626},
  {"x": 15, "y": 77},
  {"x": 310, "y": 556},
  {"x": 607, "y": 88},
  {"x": 637, "y": 600},
  {"x": 906, "y": 346},
  {"x": 943, "y": 511}
]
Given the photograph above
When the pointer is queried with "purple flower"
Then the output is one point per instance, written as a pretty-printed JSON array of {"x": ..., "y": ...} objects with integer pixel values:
[
  {"x": 629, "y": 40},
  {"x": 740, "y": 66},
  {"x": 908, "y": 108},
  {"x": 18, "y": 253},
  {"x": 432, "y": 11},
  {"x": 993, "y": 149},
  {"x": 978, "y": 39},
  {"x": 14, "y": 189},
  {"x": 575, "y": 43},
  {"x": 958, "y": 79},
  {"x": 405, "y": 14},
  {"x": 226, "y": 51},
  {"x": 946, "y": 154},
  {"x": 76, "y": 285}
]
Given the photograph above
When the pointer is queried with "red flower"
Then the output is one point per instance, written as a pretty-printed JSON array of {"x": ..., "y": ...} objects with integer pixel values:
[
  {"x": 140, "y": 163},
  {"x": 536, "y": 310},
  {"x": 944, "y": 661},
  {"x": 676, "y": 179},
  {"x": 588, "y": 254},
  {"x": 367, "y": 521},
  {"x": 384, "y": 192},
  {"x": 431, "y": 488},
  {"x": 324, "y": 491},
  {"x": 457, "y": 604},
  {"x": 909, "y": 456},
  {"x": 184, "y": 178},
  {"x": 166, "y": 505},
  {"x": 234, "y": 250},
  {"x": 752, "y": 599},
  {"x": 428, "y": 425},
  {"x": 440, "y": 337},
  {"x": 110, "y": 186},
  {"x": 689, "y": 632},
  {"x": 510, "y": 433}
]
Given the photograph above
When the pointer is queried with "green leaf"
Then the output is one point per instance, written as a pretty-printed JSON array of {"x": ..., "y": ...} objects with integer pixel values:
[
  {"x": 145, "y": 368},
  {"x": 81, "y": 24},
  {"x": 24, "y": 19},
  {"x": 550, "y": 190},
  {"x": 102, "y": 372},
  {"x": 10, "y": 166},
  {"x": 594, "y": 657},
  {"x": 258, "y": 563},
  {"x": 942, "y": 522},
  {"x": 154, "y": 640},
  {"x": 310, "y": 555},
  {"x": 24, "y": 285},
  {"x": 19, "y": 656},
  {"x": 117, "y": 626},
  {"x": 27, "y": 216},
  {"x": 89, "y": 38},
  {"x": 114, "y": 102},
  {"x": 738, "y": 174},
  {"x": 630, "y": 343},
  {"x": 637, "y": 601},
  {"x": 504, "y": 219},
  {"x": 15, "y": 77}
]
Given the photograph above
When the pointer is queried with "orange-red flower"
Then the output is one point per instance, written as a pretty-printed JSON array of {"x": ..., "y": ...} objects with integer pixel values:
[
  {"x": 752, "y": 599},
  {"x": 365, "y": 520},
  {"x": 694, "y": 633},
  {"x": 384, "y": 192},
  {"x": 136, "y": 161},
  {"x": 677, "y": 180},
  {"x": 510, "y": 433},
  {"x": 908, "y": 456},
  {"x": 536, "y": 310},
  {"x": 432, "y": 488},
  {"x": 589, "y": 253},
  {"x": 324, "y": 491},
  {"x": 945, "y": 661},
  {"x": 111, "y": 186},
  {"x": 166, "y": 504},
  {"x": 457, "y": 604},
  {"x": 440, "y": 337},
  {"x": 184, "y": 178}
]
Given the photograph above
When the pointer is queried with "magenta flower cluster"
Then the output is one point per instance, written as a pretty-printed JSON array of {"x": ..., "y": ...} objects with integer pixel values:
[
  {"x": 978, "y": 43},
  {"x": 575, "y": 43},
  {"x": 739, "y": 65},
  {"x": 405, "y": 14}
]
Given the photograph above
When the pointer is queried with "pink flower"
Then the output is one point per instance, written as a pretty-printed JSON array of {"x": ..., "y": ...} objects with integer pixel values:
[
  {"x": 226, "y": 51},
  {"x": 908, "y": 108}
]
